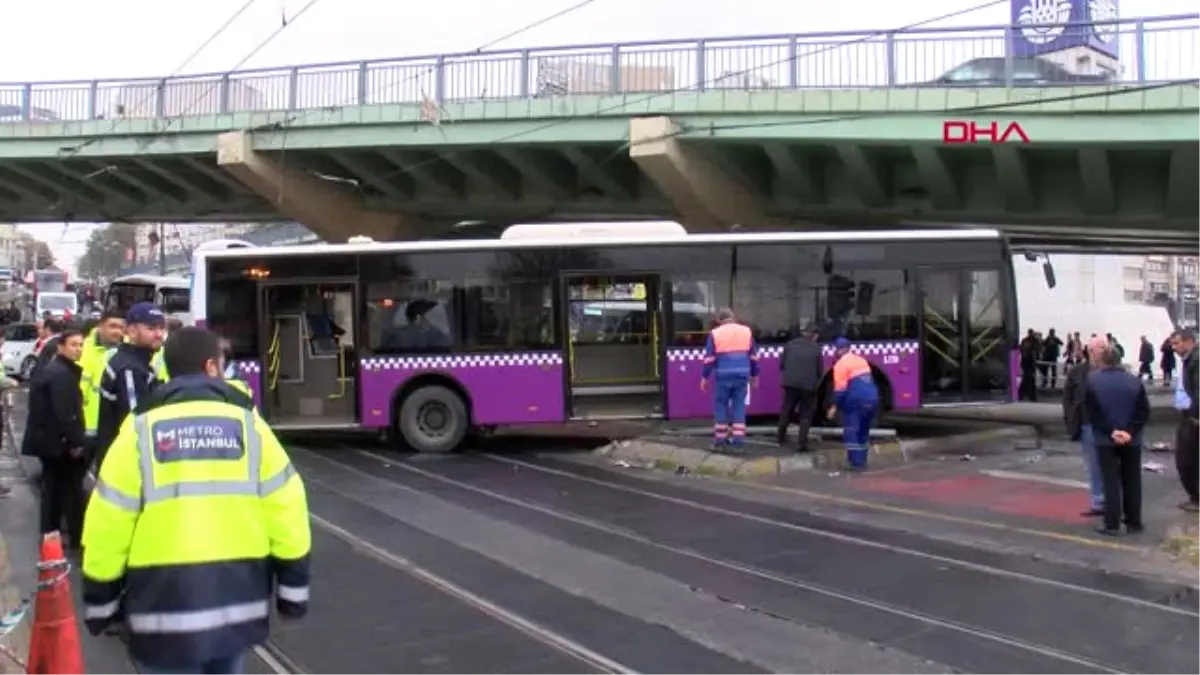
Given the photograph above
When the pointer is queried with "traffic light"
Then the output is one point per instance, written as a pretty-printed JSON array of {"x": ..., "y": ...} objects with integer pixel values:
[
  {"x": 866, "y": 295},
  {"x": 839, "y": 296}
]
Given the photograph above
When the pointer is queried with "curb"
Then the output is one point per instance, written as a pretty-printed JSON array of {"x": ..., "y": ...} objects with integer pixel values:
[{"x": 664, "y": 456}]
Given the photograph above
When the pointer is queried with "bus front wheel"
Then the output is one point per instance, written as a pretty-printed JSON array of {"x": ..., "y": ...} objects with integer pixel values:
[{"x": 433, "y": 419}]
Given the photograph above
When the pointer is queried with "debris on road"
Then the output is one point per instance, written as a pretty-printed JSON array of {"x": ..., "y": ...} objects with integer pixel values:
[
  {"x": 1161, "y": 447},
  {"x": 1153, "y": 467},
  {"x": 967, "y": 458}
]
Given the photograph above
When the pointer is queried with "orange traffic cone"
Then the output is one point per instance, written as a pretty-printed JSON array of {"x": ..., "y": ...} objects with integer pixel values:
[{"x": 54, "y": 647}]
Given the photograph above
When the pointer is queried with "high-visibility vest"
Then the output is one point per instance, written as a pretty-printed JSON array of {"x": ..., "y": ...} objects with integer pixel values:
[
  {"x": 95, "y": 358},
  {"x": 159, "y": 364},
  {"x": 195, "y": 495}
]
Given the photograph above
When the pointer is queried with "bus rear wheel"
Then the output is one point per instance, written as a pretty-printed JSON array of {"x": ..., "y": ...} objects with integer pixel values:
[{"x": 433, "y": 419}]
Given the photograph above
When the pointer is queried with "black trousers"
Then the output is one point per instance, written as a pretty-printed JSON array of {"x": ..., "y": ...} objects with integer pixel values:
[
  {"x": 1146, "y": 369},
  {"x": 1049, "y": 375},
  {"x": 1121, "y": 472},
  {"x": 797, "y": 402},
  {"x": 62, "y": 496},
  {"x": 1028, "y": 389},
  {"x": 1187, "y": 458}
]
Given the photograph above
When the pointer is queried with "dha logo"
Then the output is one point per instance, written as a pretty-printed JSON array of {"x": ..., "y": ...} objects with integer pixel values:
[
  {"x": 1104, "y": 10},
  {"x": 1045, "y": 12}
]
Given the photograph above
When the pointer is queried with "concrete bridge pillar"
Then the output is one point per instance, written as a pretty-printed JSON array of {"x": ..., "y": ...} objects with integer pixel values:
[
  {"x": 325, "y": 209},
  {"x": 707, "y": 199}
]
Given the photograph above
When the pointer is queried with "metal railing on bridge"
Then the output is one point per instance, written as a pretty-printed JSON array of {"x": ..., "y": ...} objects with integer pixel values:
[{"x": 1153, "y": 50}]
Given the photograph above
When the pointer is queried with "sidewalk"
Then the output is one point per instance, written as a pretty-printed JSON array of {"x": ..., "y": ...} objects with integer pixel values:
[
  {"x": 993, "y": 496},
  {"x": 20, "y": 540}
]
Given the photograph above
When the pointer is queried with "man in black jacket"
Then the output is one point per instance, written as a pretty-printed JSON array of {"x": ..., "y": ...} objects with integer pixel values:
[
  {"x": 1187, "y": 441},
  {"x": 129, "y": 376},
  {"x": 1119, "y": 411},
  {"x": 50, "y": 330},
  {"x": 54, "y": 433},
  {"x": 800, "y": 372}
]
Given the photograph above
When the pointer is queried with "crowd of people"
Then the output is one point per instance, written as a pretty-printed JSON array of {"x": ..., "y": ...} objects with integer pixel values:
[
  {"x": 196, "y": 519},
  {"x": 1042, "y": 356},
  {"x": 1106, "y": 410}
]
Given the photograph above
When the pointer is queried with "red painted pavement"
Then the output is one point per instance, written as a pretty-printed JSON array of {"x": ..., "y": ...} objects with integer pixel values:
[{"x": 1002, "y": 495}]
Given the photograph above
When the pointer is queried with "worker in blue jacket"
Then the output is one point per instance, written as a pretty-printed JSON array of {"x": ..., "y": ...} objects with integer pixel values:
[{"x": 731, "y": 357}]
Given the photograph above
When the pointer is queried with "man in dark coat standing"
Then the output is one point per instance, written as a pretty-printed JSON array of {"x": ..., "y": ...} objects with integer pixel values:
[
  {"x": 800, "y": 372},
  {"x": 1119, "y": 411},
  {"x": 1187, "y": 443},
  {"x": 54, "y": 433}
]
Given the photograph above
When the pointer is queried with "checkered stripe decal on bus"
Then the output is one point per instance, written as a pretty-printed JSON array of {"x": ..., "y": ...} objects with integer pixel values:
[
  {"x": 693, "y": 354},
  {"x": 460, "y": 361},
  {"x": 878, "y": 349},
  {"x": 775, "y": 351},
  {"x": 248, "y": 367}
]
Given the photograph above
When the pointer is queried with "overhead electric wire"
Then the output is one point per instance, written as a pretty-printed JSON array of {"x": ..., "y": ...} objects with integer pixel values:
[
  {"x": 72, "y": 151},
  {"x": 299, "y": 115},
  {"x": 67, "y": 153},
  {"x": 283, "y": 25}
]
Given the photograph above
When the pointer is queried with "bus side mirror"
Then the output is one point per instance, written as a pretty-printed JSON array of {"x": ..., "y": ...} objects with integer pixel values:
[{"x": 1048, "y": 272}]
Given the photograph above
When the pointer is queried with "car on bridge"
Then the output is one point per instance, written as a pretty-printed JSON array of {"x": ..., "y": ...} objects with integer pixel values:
[
  {"x": 13, "y": 113},
  {"x": 1026, "y": 72}
]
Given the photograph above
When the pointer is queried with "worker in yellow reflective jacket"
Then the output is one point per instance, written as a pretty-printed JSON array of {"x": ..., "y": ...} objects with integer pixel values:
[
  {"x": 197, "y": 519},
  {"x": 157, "y": 362},
  {"x": 98, "y": 347}
]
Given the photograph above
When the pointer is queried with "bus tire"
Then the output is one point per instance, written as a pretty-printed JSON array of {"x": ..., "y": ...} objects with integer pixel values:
[{"x": 433, "y": 419}]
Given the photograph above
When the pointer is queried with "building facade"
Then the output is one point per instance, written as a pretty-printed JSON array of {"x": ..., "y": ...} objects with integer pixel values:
[
  {"x": 1165, "y": 281},
  {"x": 12, "y": 249}
]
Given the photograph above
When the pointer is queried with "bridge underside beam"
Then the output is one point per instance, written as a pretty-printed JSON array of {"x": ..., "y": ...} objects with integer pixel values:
[
  {"x": 324, "y": 208},
  {"x": 706, "y": 199}
]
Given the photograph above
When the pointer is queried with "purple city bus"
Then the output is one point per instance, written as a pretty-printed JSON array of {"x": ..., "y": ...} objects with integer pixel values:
[{"x": 431, "y": 339}]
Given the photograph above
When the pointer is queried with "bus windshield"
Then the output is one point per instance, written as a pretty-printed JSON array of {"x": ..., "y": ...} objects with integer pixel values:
[
  {"x": 122, "y": 296},
  {"x": 50, "y": 281},
  {"x": 57, "y": 302}
]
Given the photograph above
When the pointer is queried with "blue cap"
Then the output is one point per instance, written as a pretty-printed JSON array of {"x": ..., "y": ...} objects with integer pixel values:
[
  {"x": 146, "y": 313},
  {"x": 842, "y": 343}
]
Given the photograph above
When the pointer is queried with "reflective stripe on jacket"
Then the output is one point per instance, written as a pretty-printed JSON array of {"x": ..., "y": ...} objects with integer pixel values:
[
  {"x": 731, "y": 352},
  {"x": 852, "y": 380},
  {"x": 196, "y": 518}
]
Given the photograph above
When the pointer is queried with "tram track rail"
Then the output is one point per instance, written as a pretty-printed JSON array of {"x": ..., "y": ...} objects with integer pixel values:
[
  {"x": 592, "y": 660},
  {"x": 420, "y": 477}
]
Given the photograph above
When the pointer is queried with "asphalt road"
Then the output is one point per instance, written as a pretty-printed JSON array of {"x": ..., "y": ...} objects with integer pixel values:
[{"x": 501, "y": 562}]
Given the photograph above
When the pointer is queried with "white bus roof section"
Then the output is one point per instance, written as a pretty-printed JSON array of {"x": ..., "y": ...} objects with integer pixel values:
[
  {"x": 647, "y": 230},
  {"x": 152, "y": 280},
  {"x": 824, "y": 237}
]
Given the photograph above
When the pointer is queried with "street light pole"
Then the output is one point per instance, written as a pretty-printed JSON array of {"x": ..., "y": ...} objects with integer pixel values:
[{"x": 162, "y": 251}]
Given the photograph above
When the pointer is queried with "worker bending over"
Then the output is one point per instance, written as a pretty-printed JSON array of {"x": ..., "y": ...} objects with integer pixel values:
[
  {"x": 731, "y": 357},
  {"x": 857, "y": 398}
]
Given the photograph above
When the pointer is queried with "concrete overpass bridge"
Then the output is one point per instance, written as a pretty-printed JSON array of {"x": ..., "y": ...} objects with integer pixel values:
[{"x": 770, "y": 132}]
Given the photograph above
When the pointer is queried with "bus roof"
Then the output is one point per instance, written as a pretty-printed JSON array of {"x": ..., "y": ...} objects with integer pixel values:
[
  {"x": 646, "y": 230},
  {"x": 823, "y": 237},
  {"x": 152, "y": 279}
]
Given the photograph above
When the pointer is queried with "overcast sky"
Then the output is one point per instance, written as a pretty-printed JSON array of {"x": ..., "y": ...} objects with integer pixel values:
[{"x": 90, "y": 39}]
